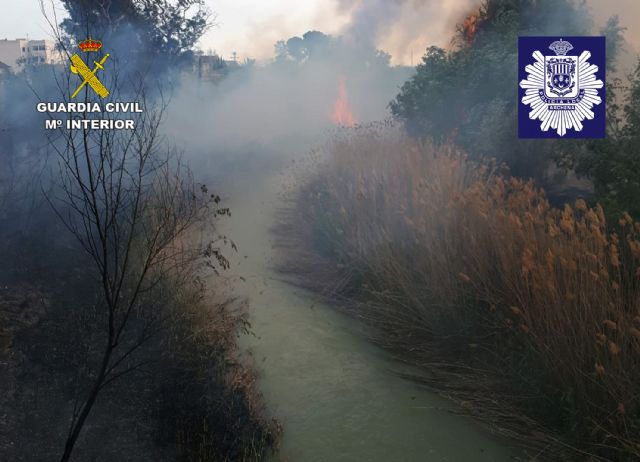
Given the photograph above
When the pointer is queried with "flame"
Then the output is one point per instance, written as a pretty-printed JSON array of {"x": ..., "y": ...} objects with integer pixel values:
[
  {"x": 470, "y": 27},
  {"x": 342, "y": 114}
]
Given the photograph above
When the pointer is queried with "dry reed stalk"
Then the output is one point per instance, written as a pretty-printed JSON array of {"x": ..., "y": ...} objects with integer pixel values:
[{"x": 453, "y": 253}]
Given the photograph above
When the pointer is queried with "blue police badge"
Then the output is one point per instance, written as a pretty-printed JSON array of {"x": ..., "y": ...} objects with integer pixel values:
[{"x": 561, "y": 92}]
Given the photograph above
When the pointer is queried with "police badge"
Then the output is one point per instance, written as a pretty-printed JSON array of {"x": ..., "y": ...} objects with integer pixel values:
[{"x": 561, "y": 91}]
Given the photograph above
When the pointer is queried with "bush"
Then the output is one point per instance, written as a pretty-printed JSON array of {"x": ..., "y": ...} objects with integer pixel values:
[
  {"x": 466, "y": 95},
  {"x": 527, "y": 313},
  {"x": 612, "y": 163}
]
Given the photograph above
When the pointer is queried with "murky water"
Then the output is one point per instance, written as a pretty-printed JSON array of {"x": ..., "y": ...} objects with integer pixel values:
[{"x": 333, "y": 391}]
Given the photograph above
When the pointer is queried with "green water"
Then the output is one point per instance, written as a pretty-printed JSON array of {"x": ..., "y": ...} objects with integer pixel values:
[{"x": 333, "y": 391}]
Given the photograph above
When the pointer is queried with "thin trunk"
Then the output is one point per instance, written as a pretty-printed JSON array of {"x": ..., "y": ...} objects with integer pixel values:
[{"x": 86, "y": 409}]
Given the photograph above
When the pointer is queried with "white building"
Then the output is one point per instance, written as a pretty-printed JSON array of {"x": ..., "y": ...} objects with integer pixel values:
[{"x": 16, "y": 53}]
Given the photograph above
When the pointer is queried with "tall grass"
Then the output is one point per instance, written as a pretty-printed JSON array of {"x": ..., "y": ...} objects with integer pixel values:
[
  {"x": 528, "y": 314},
  {"x": 212, "y": 410},
  {"x": 209, "y": 407}
]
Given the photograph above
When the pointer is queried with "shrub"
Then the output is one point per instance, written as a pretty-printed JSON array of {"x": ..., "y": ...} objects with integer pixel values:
[{"x": 466, "y": 94}]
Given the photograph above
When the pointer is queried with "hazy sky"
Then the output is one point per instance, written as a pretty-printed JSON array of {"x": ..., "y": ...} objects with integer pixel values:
[{"x": 403, "y": 28}]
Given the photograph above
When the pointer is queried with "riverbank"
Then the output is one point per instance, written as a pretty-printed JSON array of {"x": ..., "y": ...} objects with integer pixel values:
[
  {"x": 338, "y": 397},
  {"x": 185, "y": 394},
  {"x": 525, "y": 314}
]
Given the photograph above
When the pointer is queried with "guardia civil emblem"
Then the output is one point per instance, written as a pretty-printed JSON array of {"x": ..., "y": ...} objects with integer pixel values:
[
  {"x": 561, "y": 91},
  {"x": 88, "y": 76}
]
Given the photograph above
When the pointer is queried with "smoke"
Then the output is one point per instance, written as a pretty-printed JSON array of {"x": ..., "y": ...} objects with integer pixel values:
[
  {"x": 280, "y": 109},
  {"x": 289, "y": 108},
  {"x": 276, "y": 108},
  {"x": 399, "y": 27},
  {"x": 629, "y": 13},
  {"x": 404, "y": 28},
  {"x": 370, "y": 19},
  {"x": 272, "y": 109}
]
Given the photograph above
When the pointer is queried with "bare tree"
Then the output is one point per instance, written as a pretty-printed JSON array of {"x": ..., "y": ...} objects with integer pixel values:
[
  {"x": 131, "y": 204},
  {"x": 134, "y": 208}
]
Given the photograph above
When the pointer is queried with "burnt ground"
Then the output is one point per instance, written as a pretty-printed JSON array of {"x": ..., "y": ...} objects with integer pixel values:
[
  {"x": 179, "y": 405},
  {"x": 46, "y": 300}
]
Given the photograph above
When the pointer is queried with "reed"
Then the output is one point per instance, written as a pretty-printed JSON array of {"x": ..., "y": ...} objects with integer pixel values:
[{"x": 528, "y": 314}]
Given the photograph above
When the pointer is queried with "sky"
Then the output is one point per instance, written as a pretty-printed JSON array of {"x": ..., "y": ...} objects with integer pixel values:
[{"x": 403, "y": 28}]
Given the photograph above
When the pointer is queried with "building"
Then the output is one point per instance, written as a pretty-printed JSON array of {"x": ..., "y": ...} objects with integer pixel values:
[
  {"x": 11, "y": 51},
  {"x": 16, "y": 53},
  {"x": 213, "y": 67},
  {"x": 209, "y": 67}
]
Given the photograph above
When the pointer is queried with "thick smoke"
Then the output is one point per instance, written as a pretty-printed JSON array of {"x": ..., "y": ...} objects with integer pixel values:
[
  {"x": 629, "y": 13},
  {"x": 288, "y": 107},
  {"x": 275, "y": 108},
  {"x": 282, "y": 108},
  {"x": 371, "y": 19},
  {"x": 404, "y": 28},
  {"x": 399, "y": 27}
]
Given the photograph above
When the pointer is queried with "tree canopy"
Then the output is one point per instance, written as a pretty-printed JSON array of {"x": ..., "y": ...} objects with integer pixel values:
[
  {"x": 165, "y": 29},
  {"x": 467, "y": 95},
  {"x": 316, "y": 46}
]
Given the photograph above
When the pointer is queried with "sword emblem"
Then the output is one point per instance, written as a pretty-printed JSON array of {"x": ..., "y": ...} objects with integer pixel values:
[{"x": 89, "y": 76}]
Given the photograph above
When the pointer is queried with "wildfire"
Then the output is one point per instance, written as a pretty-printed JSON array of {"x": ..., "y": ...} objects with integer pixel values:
[
  {"x": 470, "y": 27},
  {"x": 342, "y": 114}
]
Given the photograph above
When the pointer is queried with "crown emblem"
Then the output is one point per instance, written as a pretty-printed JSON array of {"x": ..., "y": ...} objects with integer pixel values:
[
  {"x": 561, "y": 47},
  {"x": 90, "y": 45}
]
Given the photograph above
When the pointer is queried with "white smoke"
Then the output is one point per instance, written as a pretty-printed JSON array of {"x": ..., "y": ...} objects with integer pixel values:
[
  {"x": 628, "y": 12},
  {"x": 404, "y": 28}
]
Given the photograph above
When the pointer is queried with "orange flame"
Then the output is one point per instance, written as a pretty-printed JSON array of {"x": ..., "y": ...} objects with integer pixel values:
[
  {"x": 470, "y": 27},
  {"x": 342, "y": 114}
]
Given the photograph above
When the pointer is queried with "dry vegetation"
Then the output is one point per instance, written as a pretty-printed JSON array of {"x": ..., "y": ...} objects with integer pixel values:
[
  {"x": 192, "y": 398},
  {"x": 211, "y": 409},
  {"x": 105, "y": 317},
  {"x": 527, "y": 314}
]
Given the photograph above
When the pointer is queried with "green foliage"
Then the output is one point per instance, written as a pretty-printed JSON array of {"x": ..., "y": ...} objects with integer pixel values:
[
  {"x": 467, "y": 95},
  {"x": 165, "y": 29},
  {"x": 612, "y": 164}
]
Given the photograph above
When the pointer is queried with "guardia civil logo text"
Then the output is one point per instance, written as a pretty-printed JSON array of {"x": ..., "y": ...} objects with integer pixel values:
[{"x": 562, "y": 87}]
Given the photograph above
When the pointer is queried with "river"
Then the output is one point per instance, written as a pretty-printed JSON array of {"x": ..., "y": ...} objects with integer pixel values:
[{"x": 334, "y": 392}]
